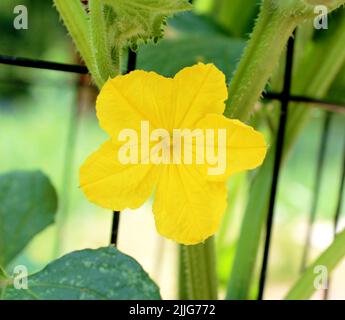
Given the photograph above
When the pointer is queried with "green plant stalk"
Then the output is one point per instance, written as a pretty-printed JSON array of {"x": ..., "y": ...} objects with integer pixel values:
[
  {"x": 261, "y": 56},
  {"x": 304, "y": 287},
  {"x": 248, "y": 243},
  {"x": 200, "y": 266},
  {"x": 275, "y": 24},
  {"x": 313, "y": 78},
  {"x": 99, "y": 42},
  {"x": 182, "y": 274},
  {"x": 77, "y": 24}
]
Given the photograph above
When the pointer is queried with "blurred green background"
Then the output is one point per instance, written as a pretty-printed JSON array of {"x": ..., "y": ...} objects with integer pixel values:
[{"x": 47, "y": 122}]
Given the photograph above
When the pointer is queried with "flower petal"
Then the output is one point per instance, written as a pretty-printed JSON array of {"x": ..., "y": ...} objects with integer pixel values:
[
  {"x": 187, "y": 208},
  {"x": 112, "y": 185},
  {"x": 245, "y": 148},
  {"x": 198, "y": 90},
  {"x": 127, "y": 100}
]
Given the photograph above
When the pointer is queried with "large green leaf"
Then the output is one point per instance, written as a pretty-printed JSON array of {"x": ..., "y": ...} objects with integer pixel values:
[
  {"x": 28, "y": 203},
  {"x": 171, "y": 55},
  {"x": 99, "y": 274},
  {"x": 304, "y": 287}
]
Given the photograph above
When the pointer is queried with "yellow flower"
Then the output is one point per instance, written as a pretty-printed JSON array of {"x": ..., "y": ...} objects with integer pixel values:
[{"x": 189, "y": 201}]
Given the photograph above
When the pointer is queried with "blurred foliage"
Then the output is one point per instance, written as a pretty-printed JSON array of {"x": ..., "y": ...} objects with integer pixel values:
[
  {"x": 28, "y": 203},
  {"x": 235, "y": 16},
  {"x": 45, "y": 34}
]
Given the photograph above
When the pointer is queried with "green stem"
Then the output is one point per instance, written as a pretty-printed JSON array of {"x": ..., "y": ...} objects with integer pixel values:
[
  {"x": 249, "y": 240},
  {"x": 76, "y": 21},
  {"x": 182, "y": 276},
  {"x": 200, "y": 263},
  {"x": 275, "y": 24},
  {"x": 99, "y": 41},
  {"x": 304, "y": 287},
  {"x": 261, "y": 56}
]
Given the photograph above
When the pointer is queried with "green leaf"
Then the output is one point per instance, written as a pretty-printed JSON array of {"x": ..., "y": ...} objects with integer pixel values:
[
  {"x": 28, "y": 203},
  {"x": 189, "y": 22},
  {"x": 304, "y": 287},
  {"x": 140, "y": 20},
  {"x": 100, "y": 274},
  {"x": 222, "y": 51}
]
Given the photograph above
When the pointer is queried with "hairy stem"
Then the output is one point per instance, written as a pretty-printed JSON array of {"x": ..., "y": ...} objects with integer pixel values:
[
  {"x": 77, "y": 24},
  {"x": 275, "y": 24},
  {"x": 99, "y": 41},
  {"x": 261, "y": 56}
]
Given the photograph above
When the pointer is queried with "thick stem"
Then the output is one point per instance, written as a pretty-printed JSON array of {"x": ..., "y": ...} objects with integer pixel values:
[
  {"x": 182, "y": 284},
  {"x": 201, "y": 277},
  {"x": 261, "y": 56},
  {"x": 76, "y": 21},
  {"x": 276, "y": 22},
  {"x": 99, "y": 41}
]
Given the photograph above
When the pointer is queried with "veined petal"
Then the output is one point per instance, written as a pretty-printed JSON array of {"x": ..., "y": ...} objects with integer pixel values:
[
  {"x": 187, "y": 208},
  {"x": 112, "y": 185},
  {"x": 127, "y": 100},
  {"x": 244, "y": 148},
  {"x": 198, "y": 90}
]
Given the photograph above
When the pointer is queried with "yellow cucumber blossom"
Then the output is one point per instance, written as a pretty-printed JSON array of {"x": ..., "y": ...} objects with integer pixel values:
[{"x": 169, "y": 136}]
